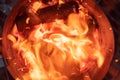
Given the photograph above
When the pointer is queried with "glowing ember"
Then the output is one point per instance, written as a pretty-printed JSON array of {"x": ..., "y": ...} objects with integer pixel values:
[{"x": 57, "y": 50}]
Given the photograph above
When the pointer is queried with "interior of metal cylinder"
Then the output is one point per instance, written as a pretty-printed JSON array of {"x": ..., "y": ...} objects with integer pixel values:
[{"x": 55, "y": 40}]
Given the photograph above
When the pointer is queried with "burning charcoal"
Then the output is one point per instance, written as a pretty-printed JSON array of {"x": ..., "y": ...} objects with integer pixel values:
[
  {"x": 20, "y": 22},
  {"x": 34, "y": 19},
  {"x": 57, "y": 11},
  {"x": 46, "y": 1},
  {"x": 46, "y": 14}
]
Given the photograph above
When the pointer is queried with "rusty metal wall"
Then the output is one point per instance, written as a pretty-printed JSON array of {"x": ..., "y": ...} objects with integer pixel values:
[{"x": 112, "y": 10}]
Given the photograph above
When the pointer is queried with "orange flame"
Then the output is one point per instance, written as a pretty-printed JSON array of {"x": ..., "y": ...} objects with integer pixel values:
[{"x": 58, "y": 50}]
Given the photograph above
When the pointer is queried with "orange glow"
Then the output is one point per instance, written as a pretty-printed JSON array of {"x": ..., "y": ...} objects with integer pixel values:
[{"x": 57, "y": 50}]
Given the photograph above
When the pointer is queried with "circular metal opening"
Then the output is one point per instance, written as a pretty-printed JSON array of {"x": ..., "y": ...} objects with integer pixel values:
[{"x": 25, "y": 19}]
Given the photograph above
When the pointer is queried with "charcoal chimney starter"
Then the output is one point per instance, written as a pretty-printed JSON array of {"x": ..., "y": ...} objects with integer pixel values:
[{"x": 57, "y": 40}]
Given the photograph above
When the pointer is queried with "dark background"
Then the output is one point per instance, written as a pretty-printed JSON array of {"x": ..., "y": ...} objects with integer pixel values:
[{"x": 111, "y": 8}]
